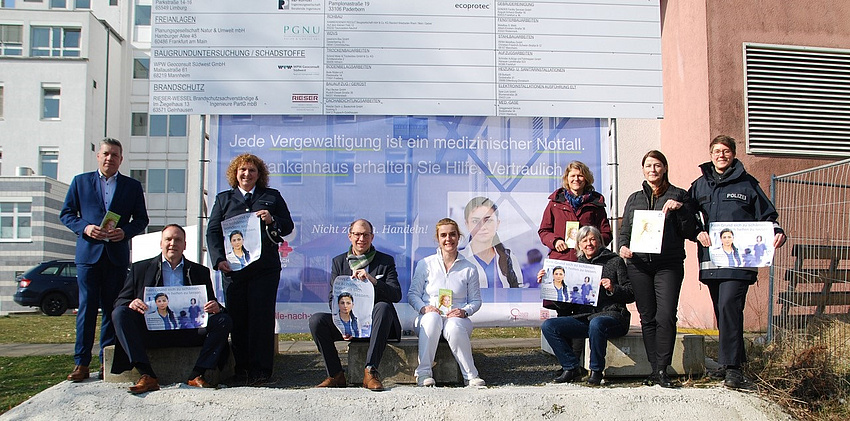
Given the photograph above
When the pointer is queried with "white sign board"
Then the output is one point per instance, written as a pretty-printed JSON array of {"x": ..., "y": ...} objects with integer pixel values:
[{"x": 577, "y": 58}]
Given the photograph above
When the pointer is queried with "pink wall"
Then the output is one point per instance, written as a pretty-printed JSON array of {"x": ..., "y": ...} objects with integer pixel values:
[{"x": 702, "y": 53}]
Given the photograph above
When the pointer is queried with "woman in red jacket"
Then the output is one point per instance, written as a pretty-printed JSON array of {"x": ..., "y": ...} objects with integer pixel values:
[{"x": 575, "y": 201}]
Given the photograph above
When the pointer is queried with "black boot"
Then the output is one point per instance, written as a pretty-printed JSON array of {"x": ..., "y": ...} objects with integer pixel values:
[
  {"x": 570, "y": 375},
  {"x": 663, "y": 379},
  {"x": 595, "y": 378},
  {"x": 652, "y": 378}
]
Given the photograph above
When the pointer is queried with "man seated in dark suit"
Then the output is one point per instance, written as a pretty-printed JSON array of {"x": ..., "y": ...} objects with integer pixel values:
[
  {"x": 362, "y": 262},
  {"x": 168, "y": 269}
]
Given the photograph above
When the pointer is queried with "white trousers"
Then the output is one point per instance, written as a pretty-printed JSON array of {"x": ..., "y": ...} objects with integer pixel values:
[{"x": 457, "y": 332}]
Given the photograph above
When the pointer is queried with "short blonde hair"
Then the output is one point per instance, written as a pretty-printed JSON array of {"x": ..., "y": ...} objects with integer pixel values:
[{"x": 585, "y": 171}]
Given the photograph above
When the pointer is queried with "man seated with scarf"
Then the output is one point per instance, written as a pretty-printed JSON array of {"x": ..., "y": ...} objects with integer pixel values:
[{"x": 362, "y": 262}]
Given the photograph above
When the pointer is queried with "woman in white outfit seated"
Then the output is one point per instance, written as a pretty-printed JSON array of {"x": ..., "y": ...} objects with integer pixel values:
[{"x": 445, "y": 270}]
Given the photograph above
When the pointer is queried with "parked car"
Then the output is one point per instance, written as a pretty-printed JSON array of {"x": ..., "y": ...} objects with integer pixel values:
[{"x": 51, "y": 286}]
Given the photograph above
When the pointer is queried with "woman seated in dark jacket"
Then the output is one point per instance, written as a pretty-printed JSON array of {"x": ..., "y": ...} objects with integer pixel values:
[{"x": 609, "y": 319}]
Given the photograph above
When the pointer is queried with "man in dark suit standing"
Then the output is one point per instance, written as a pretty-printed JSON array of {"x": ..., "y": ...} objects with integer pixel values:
[
  {"x": 362, "y": 262},
  {"x": 166, "y": 270},
  {"x": 103, "y": 253}
]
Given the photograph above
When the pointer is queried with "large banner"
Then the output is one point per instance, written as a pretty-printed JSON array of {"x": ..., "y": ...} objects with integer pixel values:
[{"x": 404, "y": 174}]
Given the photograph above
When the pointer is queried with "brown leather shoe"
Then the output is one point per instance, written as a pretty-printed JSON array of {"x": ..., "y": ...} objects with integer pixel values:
[
  {"x": 145, "y": 384},
  {"x": 338, "y": 380},
  {"x": 372, "y": 380},
  {"x": 199, "y": 382},
  {"x": 80, "y": 373}
]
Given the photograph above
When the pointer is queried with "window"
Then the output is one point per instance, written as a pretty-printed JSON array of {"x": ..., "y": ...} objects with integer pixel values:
[
  {"x": 174, "y": 125},
  {"x": 11, "y": 40},
  {"x": 8, "y": 4},
  {"x": 166, "y": 181},
  {"x": 143, "y": 15},
  {"x": 55, "y": 42},
  {"x": 140, "y": 124},
  {"x": 57, "y": 4},
  {"x": 113, "y": 2},
  {"x": 50, "y": 102},
  {"x": 156, "y": 181},
  {"x": 1, "y": 102},
  {"x": 797, "y": 100},
  {"x": 49, "y": 163},
  {"x": 141, "y": 68},
  {"x": 177, "y": 181},
  {"x": 82, "y": 4},
  {"x": 15, "y": 220},
  {"x": 141, "y": 177}
]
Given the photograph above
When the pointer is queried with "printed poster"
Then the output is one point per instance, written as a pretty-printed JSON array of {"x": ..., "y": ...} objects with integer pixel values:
[
  {"x": 571, "y": 234},
  {"x": 647, "y": 231},
  {"x": 171, "y": 308},
  {"x": 571, "y": 282},
  {"x": 242, "y": 239},
  {"x": 741, "y": 244},
  {"x": 351, "y": 306},
  {"x": 444, "y": 301}
]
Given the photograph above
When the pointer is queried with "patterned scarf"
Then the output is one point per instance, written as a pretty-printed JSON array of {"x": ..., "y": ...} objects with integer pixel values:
[
  {"x": 359, "y": 262},
  {"x": 575, "y": 201}
]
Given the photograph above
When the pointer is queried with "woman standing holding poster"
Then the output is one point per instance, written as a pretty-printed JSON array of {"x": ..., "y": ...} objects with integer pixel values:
[
  {"x": 657, "y": 278},
  {"x": 726, "y": 192},
  {"x": 251, "y": 291}
]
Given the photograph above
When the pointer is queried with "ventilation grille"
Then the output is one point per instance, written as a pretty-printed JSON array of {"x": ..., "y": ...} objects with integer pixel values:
[{"x": 798, "y": 100}]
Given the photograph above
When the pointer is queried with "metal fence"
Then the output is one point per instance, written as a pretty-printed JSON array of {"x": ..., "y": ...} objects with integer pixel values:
[{"x": 810, "y": 287}]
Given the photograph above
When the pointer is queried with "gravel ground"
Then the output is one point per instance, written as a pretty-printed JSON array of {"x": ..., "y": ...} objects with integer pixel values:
[{"x": 519, "y": 388}]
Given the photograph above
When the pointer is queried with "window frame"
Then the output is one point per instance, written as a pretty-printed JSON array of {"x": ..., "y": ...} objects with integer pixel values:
[
  {"x": 48, "y": 152},
  {"x": 56, "y": 47},
  {"x": 16, "y": 215},
  {"x": 51, "y": 97},
  {"x": 17, "y": 48}
]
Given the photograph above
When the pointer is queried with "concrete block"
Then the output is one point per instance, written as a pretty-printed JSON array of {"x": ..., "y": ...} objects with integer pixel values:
[
  {"x": 172, "y": 365},
  {"x": 626, "y": 355},
  {"x": 399, "y": 363}
]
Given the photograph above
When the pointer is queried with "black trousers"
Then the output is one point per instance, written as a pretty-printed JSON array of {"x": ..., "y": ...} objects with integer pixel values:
[
  {"x": 657, "y": 288},
  {"x": 134, "y": 339},
  {"x": 250, "y": 300},
  {"x": 385, "y": 326},
  {"x": 729, "y": 297}
]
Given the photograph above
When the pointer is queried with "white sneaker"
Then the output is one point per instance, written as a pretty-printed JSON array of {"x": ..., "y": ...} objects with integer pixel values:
[
  {"x": 476, "y": 382},
  {"x": 425, "y": 381}
]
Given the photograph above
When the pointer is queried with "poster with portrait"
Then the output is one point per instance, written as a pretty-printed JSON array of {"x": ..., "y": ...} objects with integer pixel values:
[
  {"x": 444, "y": 301},
  {"x": 171, "y": 308},
  {"x": 741, "y": 244},
  {"x": 647, "y": 231},
  {"x": 242, "y": 239},
  {"x": 571, "y": 234},
  {"x": 351, "y": 306},
  {"x": 570, "y": 282}
]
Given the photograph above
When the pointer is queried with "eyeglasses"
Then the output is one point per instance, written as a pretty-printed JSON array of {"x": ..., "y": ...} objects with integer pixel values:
[
  {"x": 360, "y": 234},
  {"x": 721, "y": 152}
]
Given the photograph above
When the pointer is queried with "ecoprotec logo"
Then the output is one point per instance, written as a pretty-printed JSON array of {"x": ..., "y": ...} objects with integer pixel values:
[
  {"x": 472, "y": 6},
  {"x": 305, "y": 97}
]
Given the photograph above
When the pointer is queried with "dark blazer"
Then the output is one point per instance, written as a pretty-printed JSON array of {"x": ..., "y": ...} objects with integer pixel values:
[
  {"x": 230, "y": 203},
  {"x": 383, "y": 269},
  {"x": 84, "y": 206},
  {"x": 148, "y": 273}
]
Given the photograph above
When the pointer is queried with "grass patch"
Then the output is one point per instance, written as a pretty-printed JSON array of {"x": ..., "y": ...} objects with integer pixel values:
[
  {"x": 293, "y": 337},
  {"x": 39, "y": 329},
  {"x": 23, "y": 377},
  {"x": 505, "y": 332}
]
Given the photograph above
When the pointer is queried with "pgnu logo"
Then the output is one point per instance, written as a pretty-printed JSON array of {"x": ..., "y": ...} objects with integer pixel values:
[
  {"x": 305, "y": 98},
  {"x": 283, "y": 4}
]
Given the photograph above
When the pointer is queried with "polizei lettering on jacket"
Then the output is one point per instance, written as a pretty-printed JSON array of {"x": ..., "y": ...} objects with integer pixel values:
[{"x": 737, "y": 196}]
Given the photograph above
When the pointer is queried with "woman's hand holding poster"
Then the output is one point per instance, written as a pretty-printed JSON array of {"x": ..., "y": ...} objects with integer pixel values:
[
  {"x": 351, "y": 306},
  {"x": 570, "y": 282},
  {"x": 242, "y": 239},
  {"x": 741, "y": 244}
]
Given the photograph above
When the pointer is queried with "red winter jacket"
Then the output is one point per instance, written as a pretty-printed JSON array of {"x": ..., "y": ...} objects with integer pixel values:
[{"x": 559, "y": 211}]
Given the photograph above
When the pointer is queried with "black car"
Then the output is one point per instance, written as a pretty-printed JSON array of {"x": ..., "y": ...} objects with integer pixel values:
[{"x": 51, "y": 286}]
